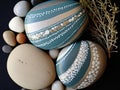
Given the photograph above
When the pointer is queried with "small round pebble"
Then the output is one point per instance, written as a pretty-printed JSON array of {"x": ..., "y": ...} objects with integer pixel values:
[
  {"x": 6, "y": 49},
  {"x": 54, "y": 53},
  {"x": 16, "y": 24},
  {"x": 21, "y": 38},
  {"x": 35, "y": 2},
  {"x": 21, "y": 8},
  {"x": 9, "y": 37},
  {"x": 57, "y": 85}
]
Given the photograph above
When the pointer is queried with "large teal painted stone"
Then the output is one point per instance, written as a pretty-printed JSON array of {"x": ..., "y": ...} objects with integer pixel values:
[
  {"x": 80, "y": 64},
  {"x": 55, "y": 23}
]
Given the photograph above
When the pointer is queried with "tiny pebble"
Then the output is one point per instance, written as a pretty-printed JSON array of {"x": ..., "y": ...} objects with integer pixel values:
[
  {"x": 57, "y": 85},
  {"x": 16, "y": 24},
  {"x": 21, "y": 38},
  {"x": 21, "y": 8},
  {"x": 54, "y": 53},
  {"x": 6, "y": 49}
]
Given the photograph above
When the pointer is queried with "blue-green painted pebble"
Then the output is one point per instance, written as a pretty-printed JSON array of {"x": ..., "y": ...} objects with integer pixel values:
[
  {"x": 80, "y": 64},
  {"x": 55, "y": 24}
]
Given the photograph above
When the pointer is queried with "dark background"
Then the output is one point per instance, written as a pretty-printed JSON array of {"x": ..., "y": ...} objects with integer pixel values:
[{"x": 109, "y": 80}]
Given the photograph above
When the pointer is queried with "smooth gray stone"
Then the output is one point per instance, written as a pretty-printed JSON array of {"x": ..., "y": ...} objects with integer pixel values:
[
  {"x": 6, "y": 49},
  {"x": 21, "y": 8}
]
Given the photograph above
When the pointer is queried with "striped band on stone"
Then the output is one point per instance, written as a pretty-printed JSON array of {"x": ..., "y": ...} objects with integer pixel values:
[{"x": 69, "y": 75}]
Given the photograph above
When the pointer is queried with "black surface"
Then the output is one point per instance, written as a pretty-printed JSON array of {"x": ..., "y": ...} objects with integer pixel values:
[{"x": 109, "y": 80}]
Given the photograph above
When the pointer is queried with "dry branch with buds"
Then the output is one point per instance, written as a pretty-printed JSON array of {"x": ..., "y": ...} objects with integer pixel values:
[{"x": 103, "y": 16}]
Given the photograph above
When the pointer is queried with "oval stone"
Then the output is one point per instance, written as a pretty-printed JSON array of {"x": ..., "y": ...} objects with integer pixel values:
[
  {"x": 21, "y": 8},
  {"x": 30, "y": 67},
  {"x": 81, "y": 64},
  {"x": 55, "y": 24},
  {"x": 9, "y": 38},
  {"x": 16, "y": 24}
]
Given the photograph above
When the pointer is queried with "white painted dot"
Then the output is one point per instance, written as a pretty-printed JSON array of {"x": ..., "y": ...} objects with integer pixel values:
[{"x": 47, "y": 32}]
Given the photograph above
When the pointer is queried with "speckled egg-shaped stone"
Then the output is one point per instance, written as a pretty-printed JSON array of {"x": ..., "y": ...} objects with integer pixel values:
[
  {"x": 81, "y": 64},
  {"x": 21, "y": 8},
  {"x": 30, "y": 67},
  {"x": 16, "y": 24},
  {"x": 56, "y": 23},
  {"x": 9, "y": 37}
]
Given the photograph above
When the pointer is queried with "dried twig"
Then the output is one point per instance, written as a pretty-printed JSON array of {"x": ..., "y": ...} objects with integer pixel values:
[{"x": 102, "y": 14}]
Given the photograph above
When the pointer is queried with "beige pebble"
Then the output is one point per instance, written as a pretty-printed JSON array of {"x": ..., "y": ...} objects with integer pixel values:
[
  {"x": 30, "y": 67},
  {"x": 21, "y": 38},
  {"x": 9, "y": 37},
  {"x": 16, "y": 24}
]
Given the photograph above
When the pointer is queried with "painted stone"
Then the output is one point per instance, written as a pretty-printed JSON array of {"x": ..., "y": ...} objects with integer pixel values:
[
  {"x": 9, "y": 37},
  {"x": 16, "y": 24},
  {"x": 30, "y": 67},
  {"x": 57, "y": 85},
  {"x": 21, "y": 8},
  {"x": 55, "y": 24},
  {"x": 81, "y": 64}
]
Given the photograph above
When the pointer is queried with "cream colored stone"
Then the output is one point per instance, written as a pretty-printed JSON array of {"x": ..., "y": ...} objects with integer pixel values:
[
  {"x": 16, "y": 24},
  {"x": 30, "y": 67}
]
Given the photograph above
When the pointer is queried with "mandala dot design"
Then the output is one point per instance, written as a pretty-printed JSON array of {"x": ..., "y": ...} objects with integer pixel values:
[{"x": 81, "y": 65}]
